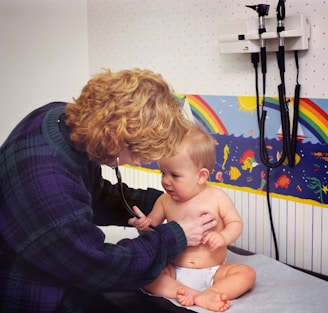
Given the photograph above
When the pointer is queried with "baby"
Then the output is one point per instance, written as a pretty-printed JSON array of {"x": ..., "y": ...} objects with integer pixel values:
[{"x": 199, "y": 275}]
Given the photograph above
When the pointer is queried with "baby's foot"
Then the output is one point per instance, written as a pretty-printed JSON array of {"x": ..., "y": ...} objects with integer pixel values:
[
  {"x": 185, "y": 296},
  {"x": 212, "y": 300}
]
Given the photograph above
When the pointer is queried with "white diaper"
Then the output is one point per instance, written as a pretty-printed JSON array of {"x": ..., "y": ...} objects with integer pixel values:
[{"x": 196, "y": 278}]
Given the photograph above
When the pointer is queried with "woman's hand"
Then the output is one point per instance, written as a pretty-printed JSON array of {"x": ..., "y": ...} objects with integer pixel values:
[{"x": 196, "y": 228}]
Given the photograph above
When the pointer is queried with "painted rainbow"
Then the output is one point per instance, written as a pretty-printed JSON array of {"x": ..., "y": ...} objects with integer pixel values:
[{"x": 203, "y": 112}]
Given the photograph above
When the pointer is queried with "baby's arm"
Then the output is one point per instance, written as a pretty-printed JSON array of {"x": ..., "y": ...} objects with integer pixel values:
[
  {"x": 232, "y": 221},
  {"x": 155, "y": 217},
  {"x": 142, "y": 223},
  {"x": 232, "y": 224},
  {"x": 214, "y": 240}
]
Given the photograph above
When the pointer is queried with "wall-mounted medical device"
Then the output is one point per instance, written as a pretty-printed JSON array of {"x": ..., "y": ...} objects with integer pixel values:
[
  {"x": 244, "y": 37},
  {"x": 258, "y": 37}
]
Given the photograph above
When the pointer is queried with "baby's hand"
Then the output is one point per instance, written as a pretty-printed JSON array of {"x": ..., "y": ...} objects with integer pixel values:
[
  {"x": 142, "y": 223},
  {"x": 214, "y": 240}
]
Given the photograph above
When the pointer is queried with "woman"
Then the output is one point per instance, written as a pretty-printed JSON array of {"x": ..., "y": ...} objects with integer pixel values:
[{"x": 52, "y": 196}]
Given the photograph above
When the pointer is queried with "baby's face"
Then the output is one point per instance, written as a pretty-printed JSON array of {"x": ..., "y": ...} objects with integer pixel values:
[{"x": 179, "y": 176}]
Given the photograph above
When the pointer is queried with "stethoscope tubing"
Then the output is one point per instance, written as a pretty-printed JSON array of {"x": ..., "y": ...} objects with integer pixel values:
[{"x": 125, "y": 203}]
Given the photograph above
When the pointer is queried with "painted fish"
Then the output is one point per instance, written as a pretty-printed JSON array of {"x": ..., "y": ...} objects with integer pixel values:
[
  {"x": 234, "y": 173},
  {"x": 283, "y": 182}
]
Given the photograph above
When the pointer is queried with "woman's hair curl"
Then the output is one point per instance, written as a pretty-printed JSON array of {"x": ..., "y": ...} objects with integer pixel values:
[{"x": 132, "y": 109}]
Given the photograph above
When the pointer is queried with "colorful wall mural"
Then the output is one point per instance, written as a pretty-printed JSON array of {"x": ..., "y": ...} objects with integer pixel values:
[{"x": 233, "y": 122}]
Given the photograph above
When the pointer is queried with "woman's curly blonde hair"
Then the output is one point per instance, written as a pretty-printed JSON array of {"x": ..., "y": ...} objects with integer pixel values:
[{"x": 132, "y": 109}]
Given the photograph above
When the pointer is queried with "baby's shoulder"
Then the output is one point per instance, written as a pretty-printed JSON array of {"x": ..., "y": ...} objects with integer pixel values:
[
  {"x": 214, "y": 190},
  {"x": 217, "y": 194}
]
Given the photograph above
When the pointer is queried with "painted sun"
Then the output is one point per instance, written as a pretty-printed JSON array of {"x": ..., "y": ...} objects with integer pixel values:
[{"x": 247, "y": 104}]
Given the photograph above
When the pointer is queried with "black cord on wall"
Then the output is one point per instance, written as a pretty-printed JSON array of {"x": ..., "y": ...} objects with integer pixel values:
[
  {"x": 289, "y": 140},
  {"x": 260, "y": 118}
]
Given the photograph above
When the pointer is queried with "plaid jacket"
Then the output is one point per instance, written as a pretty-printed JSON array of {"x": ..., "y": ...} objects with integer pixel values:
[{"x": 52, "y": 254}]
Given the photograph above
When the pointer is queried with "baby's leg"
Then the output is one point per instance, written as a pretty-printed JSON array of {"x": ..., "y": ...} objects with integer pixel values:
[
  {"x": 230, "y": 282},
  {"x": 234, "y": 279},
  {"x": 167, "y": 286},
  {"x": 210, "y": 299}
]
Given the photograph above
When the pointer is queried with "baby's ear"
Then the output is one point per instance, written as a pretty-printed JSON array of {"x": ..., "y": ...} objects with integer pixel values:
[{"x": 203, "y": 175}]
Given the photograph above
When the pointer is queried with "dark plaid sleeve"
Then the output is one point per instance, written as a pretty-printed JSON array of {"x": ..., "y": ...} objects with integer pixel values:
[{"x": 107, "y": 204}]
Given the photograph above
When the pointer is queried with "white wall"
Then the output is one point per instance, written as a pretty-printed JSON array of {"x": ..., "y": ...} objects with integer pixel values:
[
  {"x": 180, "y": 40},
  {"x": 43, "y": 55}
]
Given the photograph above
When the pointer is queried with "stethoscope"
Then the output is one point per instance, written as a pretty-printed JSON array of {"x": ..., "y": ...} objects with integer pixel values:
[{"x": 120, "y": 184}]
